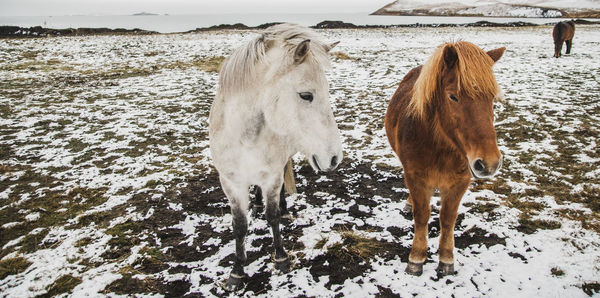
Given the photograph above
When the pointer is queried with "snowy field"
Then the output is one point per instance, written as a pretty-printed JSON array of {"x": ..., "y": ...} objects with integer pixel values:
[
  {"x": 502, "y": 8},
  {"x": 106, "y": 183}
]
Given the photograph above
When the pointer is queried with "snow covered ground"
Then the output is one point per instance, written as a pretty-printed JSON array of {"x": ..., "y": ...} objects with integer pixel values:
[
  {"x": 106, "y": 184},
  {"x": 494, "y": 8}
]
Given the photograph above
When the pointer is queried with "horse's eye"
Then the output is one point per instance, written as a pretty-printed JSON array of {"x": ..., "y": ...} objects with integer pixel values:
[
  {"x": 306, "y": 96},
  {"x": 453, "y": 97}
]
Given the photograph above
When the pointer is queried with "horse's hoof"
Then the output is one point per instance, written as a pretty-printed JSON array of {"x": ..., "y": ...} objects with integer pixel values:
[
  {"x": 444, "y": 269},
  {"x": 407, "y": 208},
  {"x": 233, "y": 283},
  {"x": 283, "y": 265},
  {"x": 415, "y": 269}
]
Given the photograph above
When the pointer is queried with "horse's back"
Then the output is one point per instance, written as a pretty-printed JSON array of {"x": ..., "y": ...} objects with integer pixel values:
[
  {"x": 395, "y": 114},
  {"x": 563, "y": 31},
  {"x": 570, "y": 30}
]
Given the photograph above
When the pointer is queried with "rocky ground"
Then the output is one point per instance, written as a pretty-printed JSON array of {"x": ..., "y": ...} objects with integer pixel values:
[{"x": 106, "y": 183}]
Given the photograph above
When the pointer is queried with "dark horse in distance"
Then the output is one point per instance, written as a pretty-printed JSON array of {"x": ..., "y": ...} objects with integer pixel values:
[
  {"x": 440, "y": 123},
  {"x": 563, "y": 33}
]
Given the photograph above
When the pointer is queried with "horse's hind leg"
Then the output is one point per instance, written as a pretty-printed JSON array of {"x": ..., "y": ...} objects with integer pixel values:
[
  {"x": 450, "y": 201},
  {"x": 273, "y": 219},
  {"x": 238, "y": 201},
  {"x": 283, "y": 204},
  {"x": 288, "y": 188},
  {"x": 569, "y": 43},
  {"x": 419, "y": 195}
]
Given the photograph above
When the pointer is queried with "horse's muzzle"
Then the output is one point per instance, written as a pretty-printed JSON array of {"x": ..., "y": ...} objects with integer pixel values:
[
  {"x": 328, "y": 166},
  {"x": 485, "y": 169}
]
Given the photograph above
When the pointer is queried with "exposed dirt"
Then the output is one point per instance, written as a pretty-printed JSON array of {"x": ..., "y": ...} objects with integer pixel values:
[{"x": 338, "y": 267}]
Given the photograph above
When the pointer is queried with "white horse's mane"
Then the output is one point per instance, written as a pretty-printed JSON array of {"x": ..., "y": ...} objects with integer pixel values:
[{"x": 239, "y": 70}]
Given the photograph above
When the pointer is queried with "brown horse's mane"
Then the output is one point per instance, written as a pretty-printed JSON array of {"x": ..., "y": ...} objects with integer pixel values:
[{"x": 474, "y": 76}]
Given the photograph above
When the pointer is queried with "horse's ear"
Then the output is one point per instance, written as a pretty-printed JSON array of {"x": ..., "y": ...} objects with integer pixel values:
[
  {"x": 450, "y": 56},
  {"x": 331, "y": 46},
  {"x": 496, "y": 54},
  {"x": 301, "y": 51}
]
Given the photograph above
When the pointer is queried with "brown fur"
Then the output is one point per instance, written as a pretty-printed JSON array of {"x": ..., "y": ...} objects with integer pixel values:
[
  {"x": 435, "y": 137},
  {"x": 563, "y": 32}
]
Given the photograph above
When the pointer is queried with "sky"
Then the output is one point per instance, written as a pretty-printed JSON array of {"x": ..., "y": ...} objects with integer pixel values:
[{"x": 126, "y": 7}]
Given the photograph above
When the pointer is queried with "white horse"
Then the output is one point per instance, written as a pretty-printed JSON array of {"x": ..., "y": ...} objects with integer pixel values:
[{"x": 272, "y": 102}]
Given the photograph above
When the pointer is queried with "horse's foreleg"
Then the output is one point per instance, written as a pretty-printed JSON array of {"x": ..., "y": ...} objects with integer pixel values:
[
  {"x": 419, "y": 196},
  {"x": 450, "y": 202},
  {"x": 557, "y": 48},
  {"x": 273, "y": 219},
  {"x": 238, "y": 201},
  {"x": 569, "y": 43},
  {"x": 408, "y": 205}
]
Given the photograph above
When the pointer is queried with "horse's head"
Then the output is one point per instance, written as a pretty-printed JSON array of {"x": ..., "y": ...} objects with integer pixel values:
[
  {"x": 462, "y": 102},
  {"x": 469, "y": 102},
  {"x": 558, "y": 40},
  {"x": 296, "y": 101}
]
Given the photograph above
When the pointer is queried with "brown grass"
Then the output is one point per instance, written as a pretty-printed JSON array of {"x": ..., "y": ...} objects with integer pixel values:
[
  {"x": 342, "y": 56},
  {"x": 354, "y": 245},
  {"x": 13, "y": 266},
  {"x": 63, "y": 284}
]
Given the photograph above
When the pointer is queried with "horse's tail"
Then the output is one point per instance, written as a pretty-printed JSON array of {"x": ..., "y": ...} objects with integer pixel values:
[
  {"x": 557, "y": 34},
  {"x": 289, "y": 182}
]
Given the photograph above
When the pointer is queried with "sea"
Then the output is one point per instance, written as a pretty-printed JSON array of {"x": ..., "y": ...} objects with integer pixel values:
[{"x": 180, "y": 23}]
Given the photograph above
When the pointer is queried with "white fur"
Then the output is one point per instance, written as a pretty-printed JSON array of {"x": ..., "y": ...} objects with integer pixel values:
[{"x": 262, "y": 78}]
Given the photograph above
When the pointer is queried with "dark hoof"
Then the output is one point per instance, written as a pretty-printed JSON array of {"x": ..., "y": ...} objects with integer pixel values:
[
  {"x": 233, "y": 283},
  {"x": 444, "y": 269},
  {"x": 415, "y": 269},
  {"x": 283, "y": 265}
]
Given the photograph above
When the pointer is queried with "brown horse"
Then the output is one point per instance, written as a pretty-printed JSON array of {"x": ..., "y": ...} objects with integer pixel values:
[
  {"x": 440, "y": 124},
  {"x": 563, "y": 33}
]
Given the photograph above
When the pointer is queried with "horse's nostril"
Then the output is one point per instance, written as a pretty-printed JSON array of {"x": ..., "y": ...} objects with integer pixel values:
[
  {"x": 334, "y": 161},
  {"x": 478, "y": 165}
]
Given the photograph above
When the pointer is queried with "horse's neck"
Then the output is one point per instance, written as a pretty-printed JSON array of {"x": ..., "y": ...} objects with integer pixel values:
[
  {"x": 430, "y": 128},
  {"x": 238, "y": 110}
]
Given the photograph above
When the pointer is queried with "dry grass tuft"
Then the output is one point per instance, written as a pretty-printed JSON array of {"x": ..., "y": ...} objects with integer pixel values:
[
  {"x": 555, "y": 271},
  {"x": 210, "y": 64},
  {"x": 530, "y": 226},
  {"x": 342, "y": 56},
  {"x": 354, "y": 246},
  {"x": 13, "y": 266},
  {"x": 63, "y": 284}
]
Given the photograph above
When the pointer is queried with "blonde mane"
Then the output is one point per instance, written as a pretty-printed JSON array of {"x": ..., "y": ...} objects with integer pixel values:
[
  {"x": 239, "y": 71},
  {"x": 475, "y": 77}
]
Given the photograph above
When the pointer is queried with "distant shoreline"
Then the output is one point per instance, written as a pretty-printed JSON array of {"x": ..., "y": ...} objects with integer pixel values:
[{"x": 38, "y": 31}]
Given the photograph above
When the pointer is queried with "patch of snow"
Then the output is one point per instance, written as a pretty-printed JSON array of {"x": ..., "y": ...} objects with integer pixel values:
[{"x": 32, "y": 216}]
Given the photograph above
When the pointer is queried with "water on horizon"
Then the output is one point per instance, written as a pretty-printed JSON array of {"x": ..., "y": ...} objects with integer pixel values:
[{"x": 180, "y": 23}]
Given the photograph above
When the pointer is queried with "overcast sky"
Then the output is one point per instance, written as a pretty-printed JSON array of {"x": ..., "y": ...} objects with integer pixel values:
[{"x": 126, "y": 7}]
